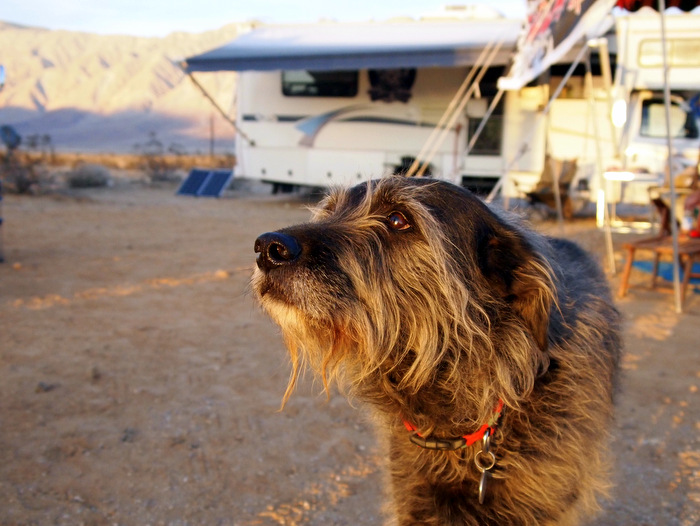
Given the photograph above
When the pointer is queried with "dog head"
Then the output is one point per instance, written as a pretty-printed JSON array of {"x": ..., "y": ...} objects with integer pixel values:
[{"x": 409, "y": 284}]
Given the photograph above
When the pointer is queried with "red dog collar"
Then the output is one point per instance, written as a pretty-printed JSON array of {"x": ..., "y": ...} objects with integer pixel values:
[{"x": 452, "y": 444}]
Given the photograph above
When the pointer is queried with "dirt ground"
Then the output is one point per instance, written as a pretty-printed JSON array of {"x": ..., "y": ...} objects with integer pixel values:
[{"x": 140, "y": 384}]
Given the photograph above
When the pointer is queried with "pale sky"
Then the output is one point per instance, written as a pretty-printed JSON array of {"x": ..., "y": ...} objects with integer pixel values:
[{"x": 160, "y": 17}]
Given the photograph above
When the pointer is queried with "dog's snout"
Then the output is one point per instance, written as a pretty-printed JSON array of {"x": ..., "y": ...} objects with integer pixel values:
[{"x": 276, "y": 249}]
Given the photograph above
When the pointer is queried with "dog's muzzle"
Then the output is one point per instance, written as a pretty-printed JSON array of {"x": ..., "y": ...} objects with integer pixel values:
[{"x": 276, "y": 249}]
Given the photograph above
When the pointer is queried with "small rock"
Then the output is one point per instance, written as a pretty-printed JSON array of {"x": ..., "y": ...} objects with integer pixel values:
[
  {"x": 129, "y": 434},
  {"x": 44, "y": 387}
]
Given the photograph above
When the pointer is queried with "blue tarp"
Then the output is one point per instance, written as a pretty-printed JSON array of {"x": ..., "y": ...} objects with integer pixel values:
[
  {"x": 335, "y": 46},
  {"x": 666, "y": 271}
]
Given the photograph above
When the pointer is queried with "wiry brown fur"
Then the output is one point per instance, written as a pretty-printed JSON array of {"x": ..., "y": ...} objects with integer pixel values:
[{"x": 438, "y": 322}]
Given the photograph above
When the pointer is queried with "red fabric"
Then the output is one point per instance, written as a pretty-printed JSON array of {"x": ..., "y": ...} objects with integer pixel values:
[{"x": 636, "y": 5}]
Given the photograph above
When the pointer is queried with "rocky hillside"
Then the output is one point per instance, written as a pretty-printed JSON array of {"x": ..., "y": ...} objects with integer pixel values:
[{"x": 111, "y": 93}]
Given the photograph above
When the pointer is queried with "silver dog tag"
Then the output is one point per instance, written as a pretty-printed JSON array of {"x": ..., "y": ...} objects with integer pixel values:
[
  {"x": 484, "y": 460},
  {"x": 485, "y": 476}
]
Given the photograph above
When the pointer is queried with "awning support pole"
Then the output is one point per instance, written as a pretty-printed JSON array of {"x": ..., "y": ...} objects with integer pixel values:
[
  {"x": 466, "y": 83},
  {"x": 458, "y": 110},
  {"x": 609, "y": 248},
  {"x": 453, "y": 110},
  {"x": 218, "y": 108},
  {"x": 671, "y": 182}
]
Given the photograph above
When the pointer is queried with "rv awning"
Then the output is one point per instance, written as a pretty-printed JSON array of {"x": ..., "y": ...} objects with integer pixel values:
[{"x": 335, "y": 46}]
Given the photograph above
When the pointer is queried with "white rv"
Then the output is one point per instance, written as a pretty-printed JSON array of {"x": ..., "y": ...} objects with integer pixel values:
[{"x": 327, "y": 104}]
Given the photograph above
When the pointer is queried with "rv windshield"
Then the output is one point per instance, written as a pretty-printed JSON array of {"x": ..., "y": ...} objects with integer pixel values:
[
  {"x": 302, "y": 83},
  {"x": 683, "y": 124}
]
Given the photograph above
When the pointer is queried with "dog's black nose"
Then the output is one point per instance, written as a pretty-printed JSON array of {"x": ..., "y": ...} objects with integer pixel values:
[{"x": 276, "y": 249}]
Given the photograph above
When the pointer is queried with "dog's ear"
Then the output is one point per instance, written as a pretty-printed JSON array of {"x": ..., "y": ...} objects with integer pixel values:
[
  {"x": 518, "y": 276},
  {"x": 532, "y": 301}
]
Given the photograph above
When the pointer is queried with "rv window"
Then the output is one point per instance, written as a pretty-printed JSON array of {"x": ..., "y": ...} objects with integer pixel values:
[
  {"x": 683, "y": 123},
  {"x": 302, "y": 83},
  {"x": 681, "y": 53},
  {"x": 489, "y": 141}
]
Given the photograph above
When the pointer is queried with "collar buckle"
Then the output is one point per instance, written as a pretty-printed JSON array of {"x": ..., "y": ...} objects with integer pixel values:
[{"x": 438, "y": 444}]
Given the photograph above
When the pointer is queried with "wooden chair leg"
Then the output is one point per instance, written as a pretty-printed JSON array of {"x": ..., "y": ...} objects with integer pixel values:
[
  {"x": 655, "y": 269},
  {"x": 624, "y": 281},
  {"x": 687, "y": 271}
]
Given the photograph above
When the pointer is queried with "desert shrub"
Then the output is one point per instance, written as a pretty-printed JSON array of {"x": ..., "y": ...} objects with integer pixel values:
[
  {"x": 18, "y": 175},
  {"x": 154, "y": 161},
  {"x": 89, "y": 176}
]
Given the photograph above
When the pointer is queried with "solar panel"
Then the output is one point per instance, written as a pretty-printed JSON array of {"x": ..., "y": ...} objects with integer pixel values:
[
  {"x": 192, "y": 182},
  {"x": 215, "y": 184},
  {"x": 205, "y": 183}
]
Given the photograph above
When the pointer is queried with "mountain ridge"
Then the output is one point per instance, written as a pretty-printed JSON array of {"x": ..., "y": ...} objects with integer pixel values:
[{"x": 118, "y": 89}]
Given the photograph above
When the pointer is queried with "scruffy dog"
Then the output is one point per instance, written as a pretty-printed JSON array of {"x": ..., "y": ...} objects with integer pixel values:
[{"x": 488, "y": 352}]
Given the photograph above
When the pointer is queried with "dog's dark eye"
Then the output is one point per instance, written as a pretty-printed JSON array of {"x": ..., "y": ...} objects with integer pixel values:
[{"x": 397, "y": 221}]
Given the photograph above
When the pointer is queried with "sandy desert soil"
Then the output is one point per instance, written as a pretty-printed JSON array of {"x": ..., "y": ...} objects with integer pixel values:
[{"x": 140, "y": 384}]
